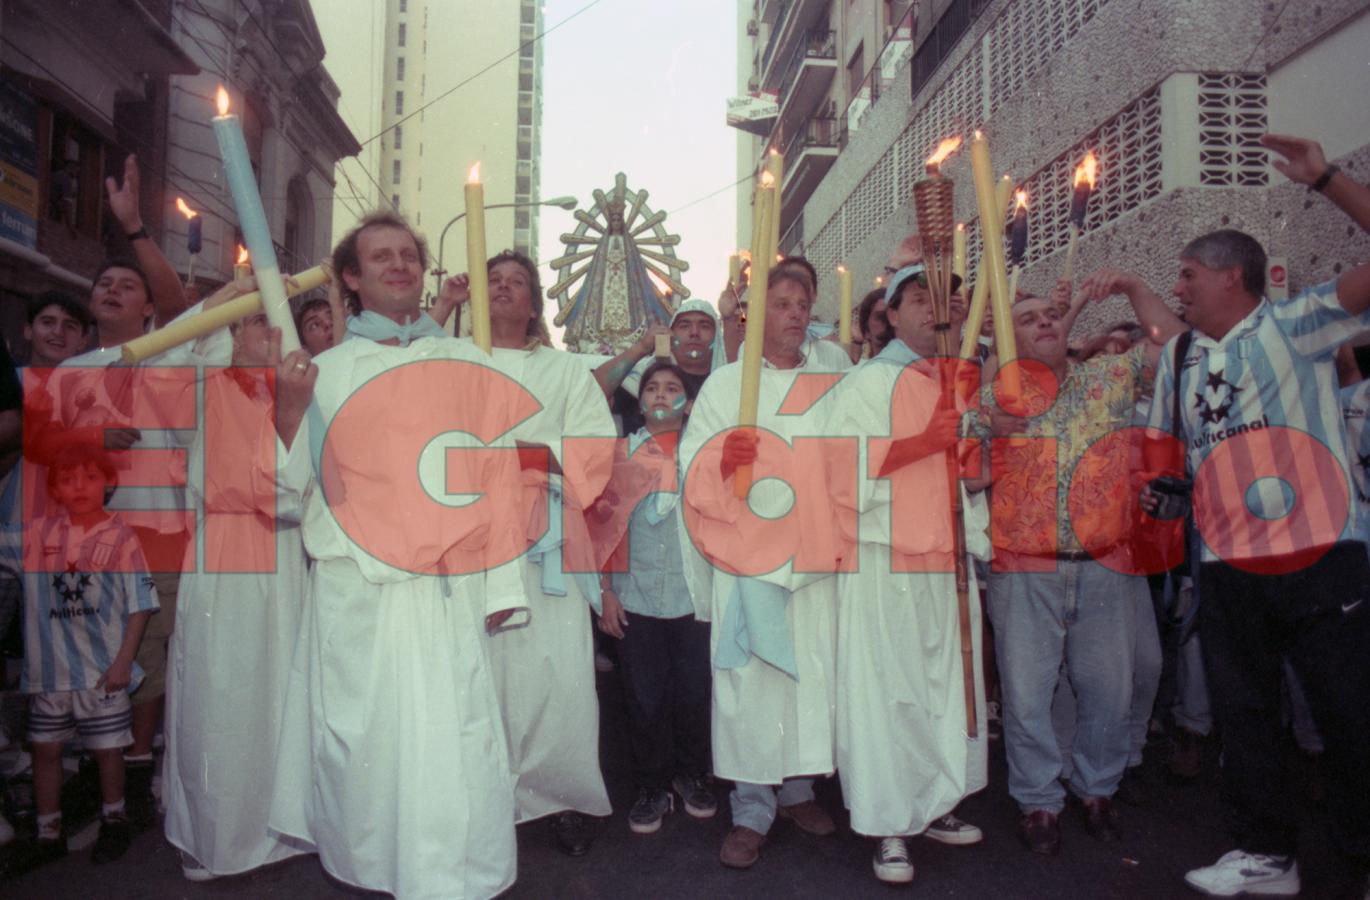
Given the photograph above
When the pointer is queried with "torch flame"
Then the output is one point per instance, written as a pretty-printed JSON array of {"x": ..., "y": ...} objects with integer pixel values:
[
  {"x": 944, "y": 149},
  {"x": 473, "y": 177},
  {"x": 1022, "y": 199},
  {"x": 184, "y": 209},
  {"x": 222, "y": 101},
  {"x": 242, "y": 255},
  {"x": 1087, "y": 170}
]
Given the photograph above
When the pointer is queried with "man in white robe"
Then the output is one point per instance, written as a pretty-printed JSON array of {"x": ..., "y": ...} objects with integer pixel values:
[
  {"x": 902, "y": 749},
  {"x": 773, "y": 635},
  {"x": 544, "y": 668},
  {"x": 392, "y": 759}
]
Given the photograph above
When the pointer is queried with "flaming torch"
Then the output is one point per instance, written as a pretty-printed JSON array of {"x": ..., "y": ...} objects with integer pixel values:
[
  {"x": 1085, "y": 174},
  {"x": 1017, "y": 242},
  {"x": 193, "y": 237},
  {"x": 932, "y": 197}
]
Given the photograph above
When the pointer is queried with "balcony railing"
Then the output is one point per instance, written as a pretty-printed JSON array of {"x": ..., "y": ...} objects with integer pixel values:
[
  {"x": 896, "y": 51},
  {"x": 817, "y": 132},
  {"x": 778, "y": 26},
  {"x": 817, "y": 44}
]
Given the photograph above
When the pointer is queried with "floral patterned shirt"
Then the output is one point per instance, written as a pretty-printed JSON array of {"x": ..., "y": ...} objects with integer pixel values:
[{"x": 1065, "y": 487}]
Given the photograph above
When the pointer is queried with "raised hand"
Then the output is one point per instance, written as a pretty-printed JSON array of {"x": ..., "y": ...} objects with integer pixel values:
[
  {"x": 123, "y": 199},
  {"x": 1303, "y": 161}
]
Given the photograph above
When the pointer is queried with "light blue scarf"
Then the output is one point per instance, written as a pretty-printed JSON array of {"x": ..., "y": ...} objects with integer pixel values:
[{"x": 375, "y": 327}]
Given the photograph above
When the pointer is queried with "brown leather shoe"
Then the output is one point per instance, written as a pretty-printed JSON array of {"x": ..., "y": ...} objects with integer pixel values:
[
  {"x": 1100, "y": 819},
  {"x": 810, "y": 817},
  {"x": 1040, "y": 833},
  {"x": 741, "y": 848}
]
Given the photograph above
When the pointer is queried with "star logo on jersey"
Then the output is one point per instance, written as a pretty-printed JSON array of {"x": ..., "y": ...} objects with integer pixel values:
[
  {"x": 71, "y": 585},
  {"x": 1224, "y": 398}
]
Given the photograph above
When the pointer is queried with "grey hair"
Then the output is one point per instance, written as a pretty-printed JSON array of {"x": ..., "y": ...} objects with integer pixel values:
[{"x": 1231, "y": 249}]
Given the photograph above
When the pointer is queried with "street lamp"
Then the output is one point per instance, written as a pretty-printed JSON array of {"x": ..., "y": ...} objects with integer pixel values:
[{"x": 567, "y": 203}]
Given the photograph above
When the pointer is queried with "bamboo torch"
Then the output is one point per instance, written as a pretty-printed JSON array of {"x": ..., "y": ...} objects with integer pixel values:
[
  {"x": 1085, "y": 174},
  {"x": 932, "y": 197}
]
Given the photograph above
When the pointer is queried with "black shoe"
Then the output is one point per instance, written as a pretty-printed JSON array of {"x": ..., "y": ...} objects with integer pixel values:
[
  {"x": 141, "y": 806},
  {"x": 652, "y": 805},
  {"x": 573, "y": 833},
  {"x": 1132, "y": 789},
  {"x": 694, "y": 792},
  {"x": 1100, "y": 819},
  {"x": 115, "y": 835},
  {"x": 1040, "y": 833},
  {"x": 29, "y": 855}
]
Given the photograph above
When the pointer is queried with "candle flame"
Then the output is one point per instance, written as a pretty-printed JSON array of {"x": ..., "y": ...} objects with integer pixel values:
[
  {"x": 960, "y": 226},
  {"x": 221, "y": 99},
  {"x": 242, "y": 255},
  {"x": 780, "y": 257},
  {"x": 1022, "y": 199},
  {"x": 1087, "y": 170},
  {"x": 184, "y": 209},
  {"x": 979, "y": 135},
  {"x": 841, "y": 268},
  {"x": 473, "y": 177},
  {"x": 944, "y": 149},
  {"x": 767, "y": 179}
]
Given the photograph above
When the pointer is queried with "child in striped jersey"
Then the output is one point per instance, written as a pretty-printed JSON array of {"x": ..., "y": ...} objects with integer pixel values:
[{"x": 87, "y": 600}]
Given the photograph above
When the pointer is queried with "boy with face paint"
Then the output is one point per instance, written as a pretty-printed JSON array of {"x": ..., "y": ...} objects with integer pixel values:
[{"x": 663, "y": 649}]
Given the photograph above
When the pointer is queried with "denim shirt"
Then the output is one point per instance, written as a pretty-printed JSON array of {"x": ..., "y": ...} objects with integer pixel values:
[{"x": 654, "y": 584}]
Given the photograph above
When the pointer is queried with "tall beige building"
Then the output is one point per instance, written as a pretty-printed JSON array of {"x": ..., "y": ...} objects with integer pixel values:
[{"x": 402, "y": 94}]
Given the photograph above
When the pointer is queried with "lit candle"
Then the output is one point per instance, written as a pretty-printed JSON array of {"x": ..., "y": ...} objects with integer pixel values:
[
  {"x": 775, "y": 167},
  {"x": 844, "y": 305},
  {"x": 242, "y": 266},
  {"x": 958, "y": 252},
  {"x": 252, "y": 222},
  {"x": 183, "y": 331},
  {"x": 475, "y": 260},
  {"x": 754, "y": 342},
  {"x": 1085, "y": 173},
  {"x": 991, "y": 226},
  {"x": 193, "y": 227}
]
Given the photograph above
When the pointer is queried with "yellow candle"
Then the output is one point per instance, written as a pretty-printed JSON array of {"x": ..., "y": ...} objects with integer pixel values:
[
  {"x": 754, "y": 342},
  {"x": 844, "y": 305},
  {"x": 975, "y": 317},
  {"x": 775, "y": 167},
  {"x": 663, "y": 346},
  {"x": 734, "y": 269},
  {"x": 992, "y": 228},
  {"x": 958, "y": 252},
  {"x": 475, "y": 260},
  {"x": 1003, "y": 192},
  {"x": 184, "y": 331}
]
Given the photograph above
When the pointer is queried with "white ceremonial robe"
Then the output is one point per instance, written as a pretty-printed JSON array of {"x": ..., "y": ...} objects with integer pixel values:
[
  {"x": 767, "y": 726},
  {"x": 392, "y": 759},
  {"x": 903, "y": 753},
  {"x": 544, "y": 669},
  {"x": 238, "y": 623}
]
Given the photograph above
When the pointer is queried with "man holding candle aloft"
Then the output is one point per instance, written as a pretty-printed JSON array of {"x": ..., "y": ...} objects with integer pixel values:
[
  {"x": 902, "y": 748},
  {"x": 771, "y": 596},
  {"x": 1062, "y": 594},
  {"x": 543, "y": 668},
  {"x": 1283, "y": 572},
  {"x": 392, "y": 761}
]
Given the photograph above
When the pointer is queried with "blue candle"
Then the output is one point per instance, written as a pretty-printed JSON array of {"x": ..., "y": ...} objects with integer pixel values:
[{"x": 252, "y": 223}]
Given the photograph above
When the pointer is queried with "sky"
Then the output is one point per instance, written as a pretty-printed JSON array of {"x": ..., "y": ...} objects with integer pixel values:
[{"x": 632, "y": 86}]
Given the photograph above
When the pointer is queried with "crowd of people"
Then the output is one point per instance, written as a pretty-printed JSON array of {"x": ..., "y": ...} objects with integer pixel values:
[{"x": 356, "y": 586}]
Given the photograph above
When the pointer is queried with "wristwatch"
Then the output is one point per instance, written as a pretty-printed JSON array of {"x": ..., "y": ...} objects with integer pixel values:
[
  {"x": 137, "y": 235},
  {"x": 1325, "y": 177}
]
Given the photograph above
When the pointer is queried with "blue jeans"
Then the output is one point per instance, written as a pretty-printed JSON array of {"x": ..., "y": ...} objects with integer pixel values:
[
  {"x": 1084, "y": 615},
  {"x": 754, "y": 805}
]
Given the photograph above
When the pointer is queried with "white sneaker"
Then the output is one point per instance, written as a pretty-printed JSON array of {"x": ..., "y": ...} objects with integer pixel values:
[
  {"x": 1239, "y": 872},
  {"x": 892, "y": 864},
  {"x": 951, "y": 830},
  {"x": 192, "y": 870}
]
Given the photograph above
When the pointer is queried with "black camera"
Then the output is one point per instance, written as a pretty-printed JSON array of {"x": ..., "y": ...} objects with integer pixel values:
[{"x": 1172, "y": 496}]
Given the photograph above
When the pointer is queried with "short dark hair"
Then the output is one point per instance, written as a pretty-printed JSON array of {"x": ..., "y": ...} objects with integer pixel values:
[
  {"x": 63, "y": 301},
  {"x": 802, "y": 263},
  {"x": 665, "y": 365},
  {"x": 123, "y": 262},
  {"x": 80, "y": 455},
  {"x": 346, "y": 259},
  {"x": 535, "y": 326},
  {"x": 306, "y": 308},
  {"x": 1228, "y": 248},
  {"x": 782, "y": 274},
  {"x": 866, "y": 309}
]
